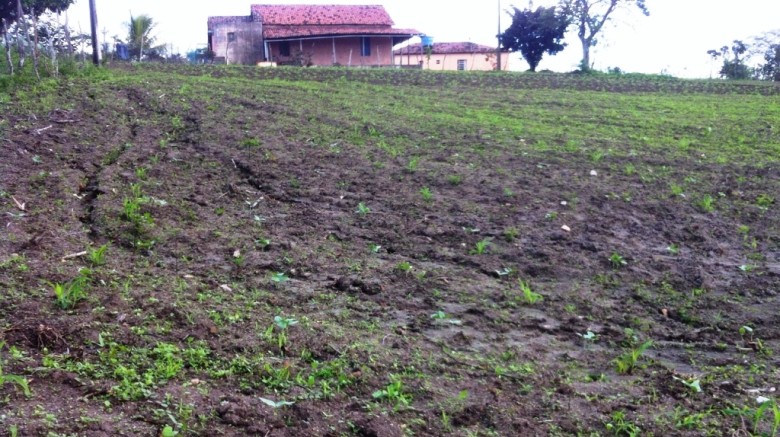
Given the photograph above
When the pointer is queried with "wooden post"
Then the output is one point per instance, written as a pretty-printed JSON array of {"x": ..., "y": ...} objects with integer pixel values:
[
  {"x": 334, "y": 51},
  {"x": 94, "y": 25},
  {"x": 35, "y": 44},
  {"x": 8, "y": 49},
  {"x": 498, "y": 48},
  {"x": 21, "y": 34}
]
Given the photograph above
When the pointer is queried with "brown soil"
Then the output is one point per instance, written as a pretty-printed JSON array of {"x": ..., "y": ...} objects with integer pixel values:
[{"x": 524, "y": 369}]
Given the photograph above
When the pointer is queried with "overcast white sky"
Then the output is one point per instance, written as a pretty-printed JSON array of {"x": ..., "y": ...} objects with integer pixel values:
[{"x": 674, "y": 39}]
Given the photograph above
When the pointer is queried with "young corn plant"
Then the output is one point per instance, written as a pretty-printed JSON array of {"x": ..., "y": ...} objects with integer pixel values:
[
  {"x": 772, "y": 406},
  {"x": 362, "y": 209},
  {"x": 19, "y": 381},
  {"x": 617, "y": 261},
  {"x": 97, "y": 256},
  {"x": 412, "y": 165},
  {"x": 529, "y": 296},
  {"x": 620, "y": 426},
  {"x": 70, "y": 293},
  {"x": 132, "y": 210},
  {"x": 480, "y": 247},
  {"x": 706, "y": 203},
  {"x": 628, "y": 361},
  {"x": 426, "y": 193}
]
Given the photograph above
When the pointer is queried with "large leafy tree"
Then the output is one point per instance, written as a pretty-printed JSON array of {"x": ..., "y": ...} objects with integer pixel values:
[
  {"x": 140, "y": 40},
  {"x": 770, "y": 70},
  {"x": 534, "y": 33},
  {"x": 590, "y": 16},
  {"x": 734, "y": 66},
  {"x": 9, "y": 8},
  {"x": 767, "y": 45}
]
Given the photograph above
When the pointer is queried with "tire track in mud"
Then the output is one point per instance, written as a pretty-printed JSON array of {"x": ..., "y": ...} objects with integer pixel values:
[{"x": 91, "y": 189}]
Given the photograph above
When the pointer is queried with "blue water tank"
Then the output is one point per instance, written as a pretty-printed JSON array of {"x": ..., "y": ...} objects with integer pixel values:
[{"x": 427, "y": 41}]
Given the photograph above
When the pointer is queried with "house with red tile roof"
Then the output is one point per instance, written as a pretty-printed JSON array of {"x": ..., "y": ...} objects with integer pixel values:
[
  {"x": 466, "y": 56},
  {"x": 350, "y": 35}
]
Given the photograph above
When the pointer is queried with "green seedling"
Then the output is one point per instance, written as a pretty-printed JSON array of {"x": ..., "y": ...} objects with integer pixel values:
[
  {"x": 750, "y": 340},
  {"x": 279, "y": 278},
  {"x": 759, "y": 414},
  {"x": 677, "y": 190},
  {"x": 765, "y": 201},
  {"x": 480, "y": 247},
  {"x": 706, "y": 203},
  {"x": 694, "y": 384},
  {"x": 412, "y": 165},
  {"x": 673, "y": 249},
  {"x": 394, "y": 393},
  {"x": 684, "y": 419},
  {"x": 529, "y": 296},
  {"x": 403, "y": 266},
  {"x": 250, "y": 142},
  {"x": 439, "y": 315},
  {"x": 619, "y": 426},
  {"x": 97, "y": 257},
  {"x": 70, "y": 293},
  {"x": 168, "y": 431},
  {"x": 280, "y": 325},
  {"x": 426, "y": 193},
  {"x": 747, "y": 268},
  {"x": 455, "y": 179},
  {"x": 374, "y": 248},
  {"x": 263, "y": 243},
  {"x": 19, "y": 381},
  {"x": 589, "y": 336},
  {"x": 511, "y": 234},
  {"x": 628, "y": 361},
  {"x": 132, "y": 209},
  {"x": 617, "y": 260},
  {"x": 362, "y": 209}
]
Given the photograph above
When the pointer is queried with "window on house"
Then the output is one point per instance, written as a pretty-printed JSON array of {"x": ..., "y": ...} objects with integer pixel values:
[
  {"x": 438, "y": 61},
  {"x": 365, "y": 46},
  {"x": 231, "y": 36},
  {"x": 284, "y": 48},
  {"x": 461, "y": 64}
]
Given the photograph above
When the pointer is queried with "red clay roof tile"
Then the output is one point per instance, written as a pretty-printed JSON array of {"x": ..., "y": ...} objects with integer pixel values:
[{"x": 293, "y": 15}]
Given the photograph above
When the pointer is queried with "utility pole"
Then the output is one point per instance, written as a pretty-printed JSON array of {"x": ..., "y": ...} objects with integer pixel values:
[
  {"x": 498, "y": 36},
  {"x": 93, "y": 25}
]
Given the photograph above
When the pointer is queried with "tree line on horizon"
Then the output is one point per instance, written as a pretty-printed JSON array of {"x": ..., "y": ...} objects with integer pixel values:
[
  {"x": 34, "y": 29},
  {"x": 532, "y": 33},
  {"x": 536, "y": 32}
]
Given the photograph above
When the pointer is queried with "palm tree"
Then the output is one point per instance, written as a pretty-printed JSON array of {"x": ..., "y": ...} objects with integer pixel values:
[{"x": 139, "y": 35}]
